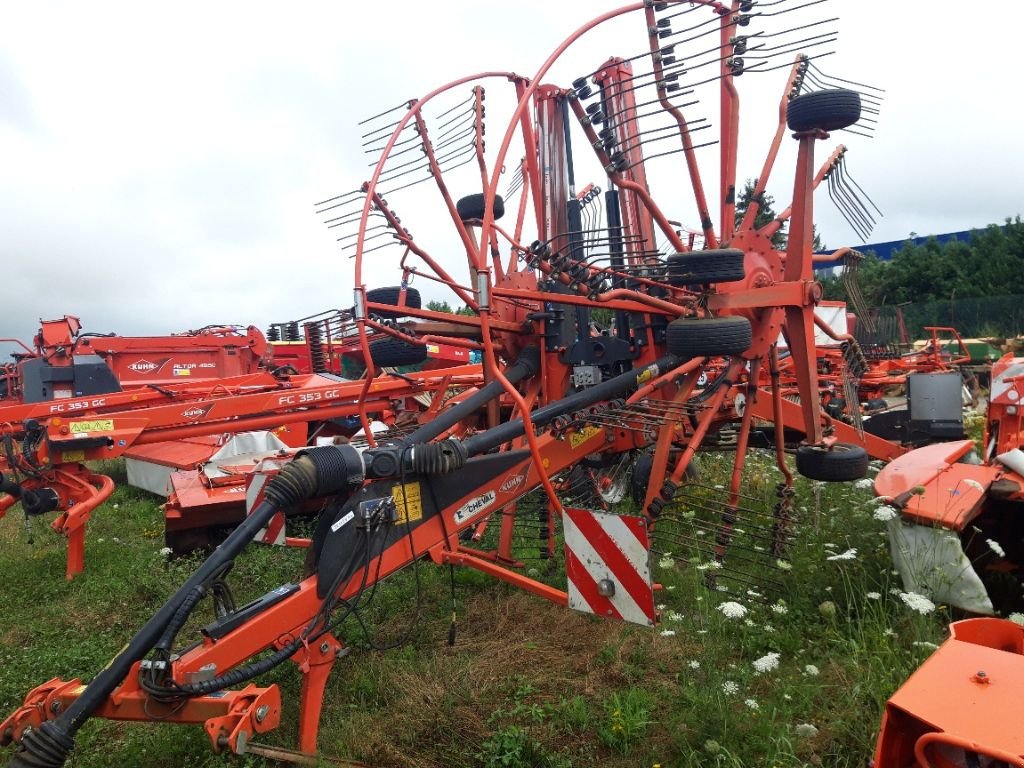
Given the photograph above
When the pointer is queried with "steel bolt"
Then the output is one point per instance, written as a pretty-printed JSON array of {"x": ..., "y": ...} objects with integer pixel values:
[
  {"x": 981, "y": 673},
  {"x": 261, "y": 712},
  {"x": 55, "y": 707},
  {"x": 325, "y": 647}
]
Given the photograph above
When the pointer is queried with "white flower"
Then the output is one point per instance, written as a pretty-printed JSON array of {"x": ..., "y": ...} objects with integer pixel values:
[
  {"x": 713, "y": 565},
  {"x": 166, "y": 551},
  {"x": 890, "y": 632},
  {"x": 864, "y": 484},
  {"x": 885, "y": 513},
  {"x": 673, "y": 616},
  {"x": 732, "y": 610},
  {"x": 811, "y": 671},
  {"x": 661, "y": 606},
  {"x": 917, "y": 602},
  {"x": 850, "y": 554},
  {"x": 694, "y": 664},
  {"x": 780, "y": 608},
  {"x": 768, "y": 629},
  {"x": 805, "y": 730},
  {"x": 783, "y": 565},
  {"x": 995, "y": 547},
  {"x": 666, "y": 561},
  {"x": 752, "y": 704},
  {"x": 1017, "y": 618},
  {"x": 753, "y": 593},
  {"x": 925, "y": 644},
  {"x": 748, "y": 623},
  {"x": 970, "y": 481},
  {"x": 873, "y": 595},
  {"x": 729, "y": 688},
  {"x": 766, "y": 663},
  {"x": 668, "y": 633}
]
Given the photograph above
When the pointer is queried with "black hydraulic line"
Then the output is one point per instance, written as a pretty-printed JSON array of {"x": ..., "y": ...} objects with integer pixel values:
[
  {"x": 314, "y": 471},
  {"x": 606, "y": 390},
  {"x": 575, "y": 221},
  {"x": 525, "y": 367},
  {"x": 616, "y": 251}
]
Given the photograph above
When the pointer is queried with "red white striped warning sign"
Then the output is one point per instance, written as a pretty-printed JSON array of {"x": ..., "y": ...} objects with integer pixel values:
[{"x": 607, "y": 562}]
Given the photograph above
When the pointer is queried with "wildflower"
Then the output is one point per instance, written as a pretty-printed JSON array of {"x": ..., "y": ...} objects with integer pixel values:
[
  {"x": 811, "y": 671},
  {"x": 864, "y": 484},
  {"x": 890, "y": 632},
  {"x": 732, "y": 610},
  {"x": 668, "y": 633},
  {"x": 995, "y": 547},
  {"x": 925, "y": 644},
  {"x": 729, "y": 688},
  {"x": 783, "y": 565},
  {"x": 827, "y": 609},
  {"x": 712, "y": 565},
  {"x": 768, "y": 629},
  {"x": 873, "y": 595},
  {"x": 661, "y": 606},
  {"x": 766, "y": 663},
  {"x": 780, "y": 608},
  {"x": 885, "y": 513},
  {"x": 753, "y": 593},
  {"x": 805, "y": 731},
  {"x": 673, "y": 616},
  {"x": 712, "y": 747},
  {"x": 752, "y": 704},
  {"x": 850, "y": 554},
  {"x": 787, "y": 697},
  {"x": 1017, "y": 618},
  {"x": 166, "y": 551},
  {"x": 917, "y": 602},
  {"x": 694, "y": 664},
  {"x": 115, "y": 506},
  {"x": 666, "y": 561}
]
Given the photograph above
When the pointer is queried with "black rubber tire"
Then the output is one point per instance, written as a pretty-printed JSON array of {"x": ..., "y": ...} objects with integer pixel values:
[
  {"x": 724, "y": 265},
  {"x": 391, "y": 296},
  {"x": 641, "y": 477},
  {"x": 472, "y": 207},
  {"x": 391, "y": 352},
  {"x": 824, "y": 110},
  {"x": 690, "y": 337},
  {"x": 844, "y": 462}
]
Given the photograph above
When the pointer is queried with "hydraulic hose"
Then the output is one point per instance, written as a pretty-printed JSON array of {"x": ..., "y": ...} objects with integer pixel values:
[
  {"x": 318, "y": 470},
  {"x": 525, "y": 367}
]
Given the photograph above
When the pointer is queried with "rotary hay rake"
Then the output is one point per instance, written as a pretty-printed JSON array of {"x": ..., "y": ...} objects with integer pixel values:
[{"x": 562, "y": 395}]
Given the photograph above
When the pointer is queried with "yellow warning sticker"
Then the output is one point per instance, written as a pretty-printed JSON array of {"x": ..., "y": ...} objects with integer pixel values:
[
  {"x": 646, "y": 375},
  {"x": 69, "y": 456},
  {"x": 576, "y": 439},
  {"x": 103, "y": 425},
  {"x": 408, "y": 502}
]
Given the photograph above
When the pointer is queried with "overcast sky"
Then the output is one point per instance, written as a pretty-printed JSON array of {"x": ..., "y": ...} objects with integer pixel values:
[{"x": 158, "y": 163}]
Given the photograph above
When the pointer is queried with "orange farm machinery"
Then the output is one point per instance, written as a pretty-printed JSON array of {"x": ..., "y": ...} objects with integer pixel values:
[
  {"x": 67, "y": 363},
  {"x": 689, "y": 332}
]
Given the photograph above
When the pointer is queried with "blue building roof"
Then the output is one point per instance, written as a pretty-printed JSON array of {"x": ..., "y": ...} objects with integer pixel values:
[{"x": 885, "y": 251}]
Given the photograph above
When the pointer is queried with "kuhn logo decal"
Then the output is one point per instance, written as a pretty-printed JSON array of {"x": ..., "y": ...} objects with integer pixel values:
[
  {"x": 145, "y": 366},
  {"x": 512, "y": 483},
  {"x": 196, "y": 411}
]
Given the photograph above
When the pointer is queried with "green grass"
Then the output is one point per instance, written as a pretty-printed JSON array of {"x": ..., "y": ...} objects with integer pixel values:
[{"x": 526, "y": 683}]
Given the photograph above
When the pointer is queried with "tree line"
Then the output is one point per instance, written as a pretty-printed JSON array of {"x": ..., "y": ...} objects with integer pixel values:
[{"x": 974, "y": 285}]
